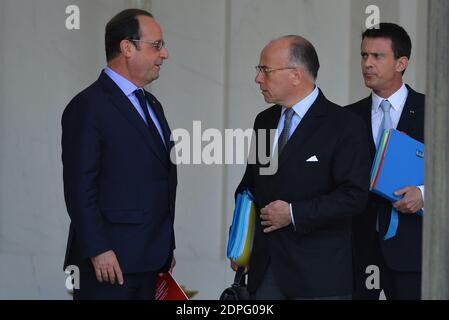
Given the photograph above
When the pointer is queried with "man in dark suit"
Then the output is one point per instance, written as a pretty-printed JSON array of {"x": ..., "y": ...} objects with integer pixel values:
[
  {"x": 119, "y": 182},
  {"x": 385, "y": 55},
  {"x": 302, "y": 246}
]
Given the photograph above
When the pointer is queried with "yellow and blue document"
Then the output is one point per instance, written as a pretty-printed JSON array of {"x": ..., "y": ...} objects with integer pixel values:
[{"x": 241, "y": 235}]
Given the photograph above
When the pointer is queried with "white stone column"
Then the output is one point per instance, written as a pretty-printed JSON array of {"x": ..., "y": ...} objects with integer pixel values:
[{"x": 436, "y": 217}]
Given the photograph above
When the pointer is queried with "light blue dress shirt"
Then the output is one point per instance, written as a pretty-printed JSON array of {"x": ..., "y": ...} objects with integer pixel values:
[
  {"x": 128, "y": 89},
  {"x": 300, "y": 110}
]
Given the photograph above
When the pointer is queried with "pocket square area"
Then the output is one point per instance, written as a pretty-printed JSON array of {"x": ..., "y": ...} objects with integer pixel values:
[{"x": 312, "y": 159}]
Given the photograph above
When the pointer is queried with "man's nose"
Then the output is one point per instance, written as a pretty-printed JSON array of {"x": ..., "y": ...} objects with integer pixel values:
[
  {"x": 259, "y": 77},
  {"x": 367, "y": 62},
  {"x": 164, "y": 53}
]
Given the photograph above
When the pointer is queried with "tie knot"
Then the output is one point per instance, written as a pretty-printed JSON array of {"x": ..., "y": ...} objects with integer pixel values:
[
  {"x": 139, "y": 94},
  {"x": 289, "y": 112},
  {"x": 385, "y": 105}
]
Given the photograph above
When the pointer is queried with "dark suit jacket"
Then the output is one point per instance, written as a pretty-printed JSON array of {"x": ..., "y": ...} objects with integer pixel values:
[
  {"x": 402, "y": 252},
  {"x": 119, "y": 184},
  {"x": 313, "y": 260}
]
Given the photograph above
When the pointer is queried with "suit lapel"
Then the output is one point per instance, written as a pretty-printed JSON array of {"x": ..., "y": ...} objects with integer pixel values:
[
  {"x": 125, "y": 107},
  {"x": 410, "y": 113},
  {"x": 366, "y": 110},
  {"x": 157, "y": 108}
]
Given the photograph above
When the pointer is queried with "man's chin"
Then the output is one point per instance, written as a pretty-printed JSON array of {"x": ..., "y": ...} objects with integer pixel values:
[
  {"x": 267, "y": 99},
  {"x": 369, "y": 84},
  {"x": 153, "y": 77}
]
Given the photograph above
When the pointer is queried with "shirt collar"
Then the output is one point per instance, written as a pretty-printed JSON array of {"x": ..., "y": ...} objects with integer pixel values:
[
  {"x": 304, "y": 105},
  {"x": 397, "y": 99},
  {"x": 124, "y": 84}
]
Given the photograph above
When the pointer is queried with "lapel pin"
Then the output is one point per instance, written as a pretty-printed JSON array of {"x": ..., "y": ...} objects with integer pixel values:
[{"x": 412, "y": 111}]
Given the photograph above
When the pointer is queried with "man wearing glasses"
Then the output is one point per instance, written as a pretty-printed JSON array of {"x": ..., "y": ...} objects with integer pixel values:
[
  {"x": 119, "y": 182},
  {"x": 302, "y": 245}
]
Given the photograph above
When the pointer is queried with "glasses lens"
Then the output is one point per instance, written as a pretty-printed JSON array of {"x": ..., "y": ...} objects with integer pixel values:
[
  {"x": 262, "y": 69},
  {"x": 159, "y": 44}
]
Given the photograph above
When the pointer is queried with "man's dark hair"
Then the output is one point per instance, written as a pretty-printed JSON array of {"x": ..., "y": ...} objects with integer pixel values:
[
  {"x": 124, "y": 25},
  {"x": 401, "y": 43},
  {"x": 303, "y": 53}
]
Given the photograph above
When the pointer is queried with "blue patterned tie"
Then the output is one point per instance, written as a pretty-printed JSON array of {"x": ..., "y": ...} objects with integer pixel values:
[
  {"x": 387, "y": 123},
  {"x": 283, "y": 138}
]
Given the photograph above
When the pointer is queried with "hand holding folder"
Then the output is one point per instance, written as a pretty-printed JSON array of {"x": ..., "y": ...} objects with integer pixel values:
[{"x": 399, "y": 163}]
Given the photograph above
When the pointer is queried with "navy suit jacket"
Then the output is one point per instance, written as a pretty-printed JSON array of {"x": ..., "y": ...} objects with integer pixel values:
[
  {"x": 119, "y": 184},
  {"x": 404, "y": 251},
  {"x": 312, "y": 259}
]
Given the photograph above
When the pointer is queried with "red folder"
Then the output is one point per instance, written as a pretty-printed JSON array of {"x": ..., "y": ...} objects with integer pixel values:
[{"x": 168, "y": 289}]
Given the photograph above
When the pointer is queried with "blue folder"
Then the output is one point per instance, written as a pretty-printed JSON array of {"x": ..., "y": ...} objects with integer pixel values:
[
  {"x": 399, "y": 163},
  {"x": 241, "y": 235}
]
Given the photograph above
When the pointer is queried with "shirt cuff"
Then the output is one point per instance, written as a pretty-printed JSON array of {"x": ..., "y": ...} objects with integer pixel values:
[
  {"x": 422, "y": 193},
  {"x": 291, "y": 215}
]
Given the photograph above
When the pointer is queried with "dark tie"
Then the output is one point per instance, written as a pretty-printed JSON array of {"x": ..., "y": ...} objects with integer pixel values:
[
  {"x": 143, "y": 104},
  {"x": 283, "y": 138}
]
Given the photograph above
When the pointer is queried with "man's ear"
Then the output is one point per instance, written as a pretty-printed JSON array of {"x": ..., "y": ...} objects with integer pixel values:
[
  {"x": 401, "y": 64},
  {"x": 126, "y": 48},
  {"x": 297, "y": 75}
]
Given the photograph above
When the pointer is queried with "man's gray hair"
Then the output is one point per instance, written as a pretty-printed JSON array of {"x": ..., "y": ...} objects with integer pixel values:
[{"x": 303, "y": 53}]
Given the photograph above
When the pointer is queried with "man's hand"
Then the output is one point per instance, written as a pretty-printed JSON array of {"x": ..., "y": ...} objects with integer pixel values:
[
  {"x": 107, "y": 267},
  {"x": 412, "y": 201},
  {"x": 276, "y": 215}
]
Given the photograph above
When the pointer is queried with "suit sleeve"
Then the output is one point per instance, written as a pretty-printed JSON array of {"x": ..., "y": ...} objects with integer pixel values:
[
  {"x": 81, "y": 157},
  {"x": 350, "y": 167}
]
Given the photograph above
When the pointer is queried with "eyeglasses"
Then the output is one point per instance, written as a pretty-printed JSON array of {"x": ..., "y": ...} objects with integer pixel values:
[
  {"x": 267, "y": 70},
  {"x": 158, "y": 44}
]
